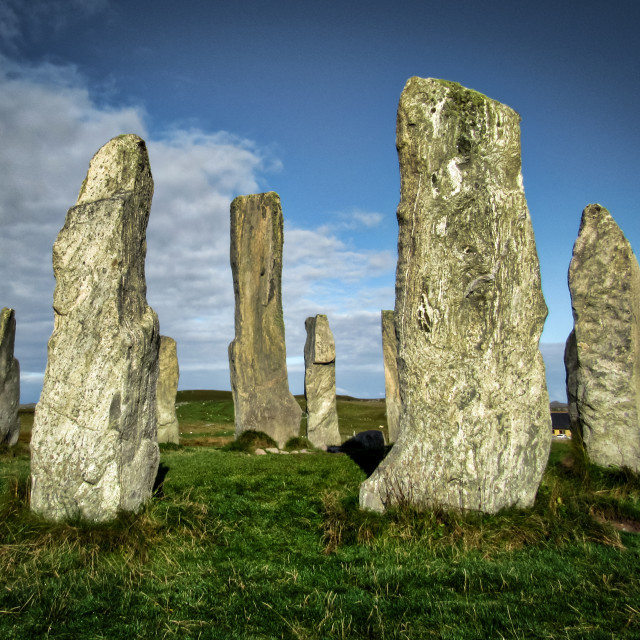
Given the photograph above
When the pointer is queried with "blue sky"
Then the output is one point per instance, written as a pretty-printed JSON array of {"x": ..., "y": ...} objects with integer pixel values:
[{"x": 299, "y": 98}]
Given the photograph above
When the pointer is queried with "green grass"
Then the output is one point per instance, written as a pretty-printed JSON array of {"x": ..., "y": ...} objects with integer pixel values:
[{"x": 240, "y": 546}]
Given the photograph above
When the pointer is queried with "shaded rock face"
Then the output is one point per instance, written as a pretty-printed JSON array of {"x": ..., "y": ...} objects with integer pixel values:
[
  {"x": 9, "y": 380},
  {"x": 603, "y": 368},
  {"x": 94, "y": 441},
  {"x": 320, "y": 383},
  {"x": 257, "y": 355},
  {"x": 475, "y": 428},
  {"x": 168, "y": 377},
  {"x": 392, "y": 389}
]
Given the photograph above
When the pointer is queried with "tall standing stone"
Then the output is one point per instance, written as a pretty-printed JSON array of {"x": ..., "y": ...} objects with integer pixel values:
[
  {"x": 320, "y": 383},
  {"x": 392, "y": 390},
  {"x": 603, "y": 368},
  {"x": 9, "y": 380},
  {"x": 257, "y": 355},
  {"x": 168, "y": 377},
  {"x": 475, "y": 428},
  {"x": 94, "y": 441}
]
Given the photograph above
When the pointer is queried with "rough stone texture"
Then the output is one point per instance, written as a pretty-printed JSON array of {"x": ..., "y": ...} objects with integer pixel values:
[
  {"x": 571, "y": 369},
  {"x": 603, "y": 374},
  {"x": 320, "y": 383},
  {"x": 168, "y": 377},
  {"x": 257, "y": 355},
  {"x": 9, "y": 380},
  {"x": 94, "y": 442},
  {"x": 392, "y": 390},
  {"x": 475, "y": 428}
]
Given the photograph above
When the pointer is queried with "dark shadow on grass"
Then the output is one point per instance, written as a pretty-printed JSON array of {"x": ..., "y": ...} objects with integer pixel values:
[
  {"x": 367, "y": 449},
  {"x": 158, "y": 489}
]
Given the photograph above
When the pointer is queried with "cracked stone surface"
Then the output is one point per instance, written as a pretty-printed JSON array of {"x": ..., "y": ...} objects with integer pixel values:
[
  {"x": 603, "y": 352},
  {"x": 320, "y": 383},
  {"x": 257, "y": 355},
  {"x": 9, "y": 380},
  {"x": 94, "y": 441},
  {"x": 391, "y": 386},
  {"x": 475, "y": 428},
  {"x": 168, "y": 378}
]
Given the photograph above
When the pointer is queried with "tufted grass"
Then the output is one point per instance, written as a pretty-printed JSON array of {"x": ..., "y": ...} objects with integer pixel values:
[{"x": 240, "y": 546}]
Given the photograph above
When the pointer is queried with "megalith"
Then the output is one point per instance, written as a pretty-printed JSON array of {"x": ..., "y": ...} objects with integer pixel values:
[
  {"x": 475, "y": 427},
  {"x": 168, "y": 377},
  {"x": 603, "y": 366},
  {"x": 390, "y": 357},
  {"x": 94, "y": 441},
  {"x": 257, "y": 355},
  {"x": 320, "y": 383},
  {"x": 9, "y": 380}
]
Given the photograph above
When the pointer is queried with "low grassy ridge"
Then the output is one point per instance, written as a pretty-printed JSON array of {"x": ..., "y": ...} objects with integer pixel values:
[{"x": 240, "y": 546}]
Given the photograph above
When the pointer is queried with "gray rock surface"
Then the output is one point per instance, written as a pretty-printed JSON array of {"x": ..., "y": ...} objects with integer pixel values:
[
  {"x": 475, "y": 428},
  {"x": 603, "y": 370},
  {"x": 9, "y": 380},
  {"x": 257, "y": 355},
  {"x": 391, "y": 385},
  {"x": 168, "y": 377},
  {"x": 320, "y": 383},
  {"x": 571, "y": 369},
  {"x": 94, "y": 441}
]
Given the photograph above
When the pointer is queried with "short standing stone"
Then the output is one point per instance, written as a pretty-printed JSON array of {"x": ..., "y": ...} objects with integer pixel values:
[
  {"x": 392, "y": 390},
  {"x": 603, "y": 365},
  {"x": 168, "y": 377},
  {"x": 9, "y": 380},
  {"x": 475, "y": 428},
  {"x": 320, "y": 383},
  {"x": 257, "y": 355},
  {"x": 94, "y": 441}
]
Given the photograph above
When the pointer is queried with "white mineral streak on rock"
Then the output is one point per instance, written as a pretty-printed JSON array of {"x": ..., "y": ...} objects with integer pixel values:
[
  {"x": 94, "y": 441},
  {"x": 168, "y": 378},
  {"x": 603, "y": 351},
  {"x": 320, "y": 383},
  {"x": 9, "y": 380},
  {"x": 475, "y": 426}
]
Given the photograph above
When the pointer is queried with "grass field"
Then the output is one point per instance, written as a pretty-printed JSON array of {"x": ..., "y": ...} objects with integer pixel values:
[{"x": 240, "y": 546}]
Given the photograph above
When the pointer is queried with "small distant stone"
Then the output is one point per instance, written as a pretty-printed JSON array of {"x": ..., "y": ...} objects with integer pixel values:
[
  {"x": 295, "y": 452},
  {"x": 260, "y": 452},
  {"x": 272, "y": 450},
  {"x": 284, "y": 453}
]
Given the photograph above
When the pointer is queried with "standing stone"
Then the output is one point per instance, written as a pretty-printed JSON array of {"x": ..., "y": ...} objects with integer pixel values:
[
  {"x": 392, "y": 390},
  {"x": 320, "y": 383},
  {"x": 168, "y": 377},
  {"x": 9, "y": 380},
  {"x": 475, "y": 428},
  {"x": 603, "y": 372},
  {"x": 94, "y": 441},
  {"x": 257, "y": 355}
]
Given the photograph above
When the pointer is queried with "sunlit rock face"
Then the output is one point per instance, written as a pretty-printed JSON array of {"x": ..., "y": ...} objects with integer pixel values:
[
  {"x": 257, "y": 355},
  {"x": 94, "y": 442},
  {"x": 475, "y": 427},
  {"x": 168, "y": 378},
  {"x": 320, "y": 383},
  {"x": 603, "y": 356},
  {"x": 390, "y": 357},
  {"x": 9, "y": 380}
]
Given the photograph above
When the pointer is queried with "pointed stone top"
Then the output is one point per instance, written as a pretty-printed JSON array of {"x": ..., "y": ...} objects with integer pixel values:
[
  {"x": 119, "y": 166},
  {"x": 595, "y": 215},
  {"x": 7, "y": 323}
]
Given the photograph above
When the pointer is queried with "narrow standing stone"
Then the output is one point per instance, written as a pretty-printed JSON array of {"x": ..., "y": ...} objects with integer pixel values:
[
  {"x": 257, "y": 355},
  {"x": 168, "y": 377},
  {"x": 94, "y": 441},
  {"x": 392, "y": 390},
  {"x": 475, "y": 428},
  {"x": 320, "y": 383},
  {"x": 603, "y": 366},
  {"x": 9, "y": 380}
]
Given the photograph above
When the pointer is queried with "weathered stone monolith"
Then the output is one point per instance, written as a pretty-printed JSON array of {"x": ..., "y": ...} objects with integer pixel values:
[
  {"x": 257, "y": 355},
  {"x": 392, "y": 390},
  {"x": 168, "y": 377},
  {"x": 9, "y": 380},
  {"x": 475, "y": 428},
  {"x": 603, "y": 371},
  {"x": 94, "y": 441},
  {"x": 320, "y": 383}
]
